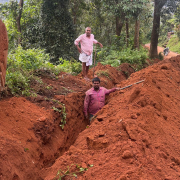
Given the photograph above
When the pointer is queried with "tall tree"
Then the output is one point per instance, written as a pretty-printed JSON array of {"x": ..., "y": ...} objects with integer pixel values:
[
  {"x": 125, "y": 9},
  {"x": 158, "y": 4},
  {"x": 18, "y": 18},
  {"x": 57, "y": 29},
  {"x": 30, "y": 24}
]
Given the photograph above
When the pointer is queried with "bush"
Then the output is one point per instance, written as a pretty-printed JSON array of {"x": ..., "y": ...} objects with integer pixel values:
[
  {"x": 174, "y": 44},
  {"x": 21, "y": 65},
  {"x": 115, "y": 58},
  {"x": 25, "y": 65},
  {"x": 18, "y": 83},
  {"x": 30, "y": 59},
  {"x": 72, "y": 66}
]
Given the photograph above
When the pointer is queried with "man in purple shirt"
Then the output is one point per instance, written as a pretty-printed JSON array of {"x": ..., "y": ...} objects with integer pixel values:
[
  {"x": 95, "y": 98},
  {"x": 86, "y": 40}
]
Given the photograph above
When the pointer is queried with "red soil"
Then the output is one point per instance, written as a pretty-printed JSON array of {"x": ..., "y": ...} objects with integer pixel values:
[
  {"x": 3, "y": 54},
  {"x": 134, "y": 136}
]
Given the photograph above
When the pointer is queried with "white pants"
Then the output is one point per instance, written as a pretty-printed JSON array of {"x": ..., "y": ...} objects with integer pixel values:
[{"x": 85, "y": 58}]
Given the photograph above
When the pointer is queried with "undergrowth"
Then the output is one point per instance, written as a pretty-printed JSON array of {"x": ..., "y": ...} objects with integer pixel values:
[
  {"x": 174, "y": 44},
  {"x": 126, "y": 55},
  {"x": 62, "y": 111},
  {"x": 69, "y": 172},
  {"x": 24, "y": 67}
]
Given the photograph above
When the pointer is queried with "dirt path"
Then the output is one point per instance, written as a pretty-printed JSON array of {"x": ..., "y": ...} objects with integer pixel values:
[{"x": 160, "y": 49}]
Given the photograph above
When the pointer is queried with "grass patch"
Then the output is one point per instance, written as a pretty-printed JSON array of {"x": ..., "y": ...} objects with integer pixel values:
[{"x": 174, "y": 44}]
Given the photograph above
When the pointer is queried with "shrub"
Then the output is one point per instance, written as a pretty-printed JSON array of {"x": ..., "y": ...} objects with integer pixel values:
[
  {"x": 72, "y": 66},
  {"x": 115, "y": 58},
  {"x": 21, "y": 65},
  {"x": 25, "y": 65}
]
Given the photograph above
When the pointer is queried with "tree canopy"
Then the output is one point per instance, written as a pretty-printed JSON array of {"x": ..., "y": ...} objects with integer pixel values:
[{"x": 54, "y": 25}]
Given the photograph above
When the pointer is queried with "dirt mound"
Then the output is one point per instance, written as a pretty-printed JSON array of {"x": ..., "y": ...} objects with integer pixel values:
[
  {"x": 32, "y": 137},
  {"x": 3, "y": 54},
  {"x": 134, "y": 136}
]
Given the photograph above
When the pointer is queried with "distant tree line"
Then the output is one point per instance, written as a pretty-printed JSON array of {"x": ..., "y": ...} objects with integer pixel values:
[{"x": 54, "y": 24}]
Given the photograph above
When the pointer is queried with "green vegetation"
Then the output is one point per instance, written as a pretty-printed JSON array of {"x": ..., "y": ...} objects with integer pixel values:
[
  {"x": 174, "y": 44},
  {"x": 73, "y": 66},
  {"x": 57, "y": 30},
  {"x": 128, "y": 55},
  {"x": 24, "y": 66},
  {"x": 61, "y": 174},
  {"x": 21, "y": 65},
  {"x": 61, "y": 110},
  {"x": 102, "y": 73}
]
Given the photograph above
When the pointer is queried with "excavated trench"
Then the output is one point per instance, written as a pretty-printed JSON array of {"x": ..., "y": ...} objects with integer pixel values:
[
  {"x": 49, "y": 132},
  {"x": 31, "y": 136},
  {"x": 33, "y": 145},
  {"x": 136, "y": 135}
]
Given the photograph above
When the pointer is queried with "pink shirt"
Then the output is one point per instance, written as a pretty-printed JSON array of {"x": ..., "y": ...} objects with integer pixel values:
[
  {"x": 95, "y": 100},
  {"x": 86, "y": 43}
]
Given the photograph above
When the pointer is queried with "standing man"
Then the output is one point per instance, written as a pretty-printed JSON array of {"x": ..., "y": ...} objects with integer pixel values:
[
  {"x": 95, "y": 98},
  {"x": 86, "y": 40}
]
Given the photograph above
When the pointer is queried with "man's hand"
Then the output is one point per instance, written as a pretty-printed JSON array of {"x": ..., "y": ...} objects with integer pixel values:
[
  {"x": 119, "y": 89},
  {"x": 100, "y": 44}
]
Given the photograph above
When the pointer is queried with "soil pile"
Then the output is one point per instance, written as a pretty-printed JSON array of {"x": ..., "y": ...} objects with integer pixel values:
[
  {"x": 3, "y": 54},
  {"x": 135, "y": 135},
  {"x": 31, "y": 131}
]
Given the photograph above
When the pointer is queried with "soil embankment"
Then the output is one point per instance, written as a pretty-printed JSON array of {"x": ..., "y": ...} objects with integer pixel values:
[
  {"x": 134, "y": 136},
  {"x": 3, "y": 54},
  {"x": 31, "y": 136}
]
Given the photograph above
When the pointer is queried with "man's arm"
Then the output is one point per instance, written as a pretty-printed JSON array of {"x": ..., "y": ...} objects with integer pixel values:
[
  {"x": 76, "y": 42},
  {"x": 78, "y": 48},
  {"x": 108, "y": 91},
  {"x": 96, "y": 42},
  {"x": 99, "y": 44}
]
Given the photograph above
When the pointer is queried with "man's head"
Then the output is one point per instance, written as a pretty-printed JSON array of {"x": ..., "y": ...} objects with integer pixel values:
[
  {"x": 88, "y": 31},
  {"x": 96, "y": 83}
]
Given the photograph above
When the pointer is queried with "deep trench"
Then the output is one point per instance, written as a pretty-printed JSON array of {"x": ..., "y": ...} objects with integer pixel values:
[{"x": 75, "y": 124}]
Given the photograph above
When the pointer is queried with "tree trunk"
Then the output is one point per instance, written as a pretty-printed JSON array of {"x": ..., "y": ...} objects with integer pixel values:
[
  {"x": 119, "y": 25},
  {"x": 156, "y": 25},
  {"x": 136, "y": 35},
  {"x": 18, "y": 19},
  {"x": 127, "y": 33}
]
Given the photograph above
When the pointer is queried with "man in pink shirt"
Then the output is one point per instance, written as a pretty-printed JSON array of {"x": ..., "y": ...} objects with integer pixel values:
[
  {"x": 95, "y": 98},
  {"x": 86, "y": 40}
]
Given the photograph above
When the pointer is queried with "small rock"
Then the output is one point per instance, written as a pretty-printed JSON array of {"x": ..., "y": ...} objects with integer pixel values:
[
  {"x": 133, "y": 116},
  {"x": 127, "y": 154},
  {"x": 83, "y": 165},
  {"x": 43, "y": 118}
]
